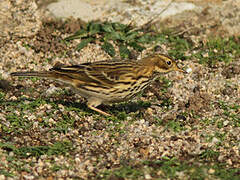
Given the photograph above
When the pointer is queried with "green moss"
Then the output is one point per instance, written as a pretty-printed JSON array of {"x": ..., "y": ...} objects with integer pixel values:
[
  {"x": 218, "y": 50},
  {"x": 171, "y": 168},
  {"x": 58, "y": 148}
]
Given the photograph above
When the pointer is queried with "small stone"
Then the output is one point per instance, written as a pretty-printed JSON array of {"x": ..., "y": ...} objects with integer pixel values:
[
  {"x": 142, "y": 121},
  {"x": 28, "y": 177},
  {"x": 205, "y": 55},
  {"x": 32, "y": 117},
  {"x": 211, "y": 171},
  {"x": 51, "y": 121},
  {"x": 147, "y": 176},
  {"x": 189, "y": 70},
  {"x": 48, "y": 106},
  {"x": 61, "y": 107},
  {"x": 150, "y": 111},
  {"x": 160, "y": 172},
  {"x": 180, "y": 174},
  {"x": 220, "y": 158},
  {"x": 129, "y": 118},
  {"x": 40, "y": 163},
  {"x": 39, "y": 170},
  {"x": 225, "y": 123},
  {"x": 13, "y": 98},
  {"x": 51, "y": 90},
  {"x": 35, "y": 124},
  {"x": 215, "y": 140},
  {"x": 229, "y": 161}
]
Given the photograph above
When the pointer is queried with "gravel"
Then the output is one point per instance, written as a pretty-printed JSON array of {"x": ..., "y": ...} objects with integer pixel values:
[{"x": 98, "y": 143}]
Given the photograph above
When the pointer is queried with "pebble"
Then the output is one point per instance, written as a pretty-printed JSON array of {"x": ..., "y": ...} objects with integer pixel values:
[
  {"x": 35, "y": 124},
  {"x": 189, "y": 70},
  {"x": 147, "y": 176},
  {"x": 51, "y": 90},
  {"x": 225, "y": 123},
  {"x": 215, "y": 140},
  {"x": 32, "y": 117},
  {"x": 13, "y": 98},
  {"x": 211, "y": 171},
  {"x": 28, "y": 177}
]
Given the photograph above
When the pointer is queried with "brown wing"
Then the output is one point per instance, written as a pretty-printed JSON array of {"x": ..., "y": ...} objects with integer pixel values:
[{"x": 104, "y": 73}]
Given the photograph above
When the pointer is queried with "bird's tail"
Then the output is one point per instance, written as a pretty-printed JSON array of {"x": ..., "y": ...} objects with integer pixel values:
[{"x": 48, "y": 74}]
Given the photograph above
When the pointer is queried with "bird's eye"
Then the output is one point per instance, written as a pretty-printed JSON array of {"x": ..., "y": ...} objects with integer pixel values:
[{"x": 169, "y": 63}]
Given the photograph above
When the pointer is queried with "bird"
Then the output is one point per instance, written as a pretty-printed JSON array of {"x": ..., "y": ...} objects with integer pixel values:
[{"x": 109, "y": 81}]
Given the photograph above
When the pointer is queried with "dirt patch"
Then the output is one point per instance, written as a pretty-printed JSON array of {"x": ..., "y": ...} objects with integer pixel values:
[
  {"x": 5, "y": 85},
  {"x": 231, "y": 71},
  {"x": 49, "y": 36},
  {"x": 199, "y": 102}
]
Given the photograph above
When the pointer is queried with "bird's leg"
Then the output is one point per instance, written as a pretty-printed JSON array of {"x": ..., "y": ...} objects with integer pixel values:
[
  {"x": 93, "y": 103},
  {"x": 98, "y": 110}
]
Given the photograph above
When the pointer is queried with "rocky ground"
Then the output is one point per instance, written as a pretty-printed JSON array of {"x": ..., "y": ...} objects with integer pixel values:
[{"x": 183, "y": 127}]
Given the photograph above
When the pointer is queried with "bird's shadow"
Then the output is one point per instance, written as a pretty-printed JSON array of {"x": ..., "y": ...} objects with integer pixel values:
[
  {"x": 126, "y": 107},
  {"x": 114, "y": 109},
  {"x": 129, "y": 107}
]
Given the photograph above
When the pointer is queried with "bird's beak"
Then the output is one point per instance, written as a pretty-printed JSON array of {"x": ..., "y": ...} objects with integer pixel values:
[{"x": 179, "y": 69}]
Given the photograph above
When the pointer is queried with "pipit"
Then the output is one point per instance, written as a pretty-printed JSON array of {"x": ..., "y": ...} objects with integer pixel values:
[{"x": 109, "y": 81}]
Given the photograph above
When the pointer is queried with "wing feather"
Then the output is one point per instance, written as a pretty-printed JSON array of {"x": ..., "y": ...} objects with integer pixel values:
[{"x": 106, "y": 73}]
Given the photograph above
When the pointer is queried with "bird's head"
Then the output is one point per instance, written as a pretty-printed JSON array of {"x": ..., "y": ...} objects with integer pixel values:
[{"x": 164, "y": 64}]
